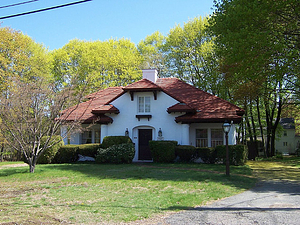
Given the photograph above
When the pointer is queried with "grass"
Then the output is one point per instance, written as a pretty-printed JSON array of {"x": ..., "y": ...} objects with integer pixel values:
[
  {"x": 287, "y": 168},
  {"x": 93, "y": 193}
]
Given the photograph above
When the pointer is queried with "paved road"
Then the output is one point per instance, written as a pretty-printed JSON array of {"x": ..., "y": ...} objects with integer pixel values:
[{"x": 270, "y": 203}]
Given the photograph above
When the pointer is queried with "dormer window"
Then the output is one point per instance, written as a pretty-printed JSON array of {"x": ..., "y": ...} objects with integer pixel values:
[{"x": 144, "y": 104}]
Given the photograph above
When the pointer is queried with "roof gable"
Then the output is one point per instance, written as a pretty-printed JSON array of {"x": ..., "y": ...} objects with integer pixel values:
[
  {"x": 198, "y": 105},
  {"x": 142, "y": 85}
]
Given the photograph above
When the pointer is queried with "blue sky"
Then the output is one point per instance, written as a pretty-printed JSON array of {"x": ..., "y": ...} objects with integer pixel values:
[{"x": 101, "y": 19}]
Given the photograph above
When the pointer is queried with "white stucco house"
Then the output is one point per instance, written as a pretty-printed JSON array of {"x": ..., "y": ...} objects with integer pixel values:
[{"x": 154, "y": 109}]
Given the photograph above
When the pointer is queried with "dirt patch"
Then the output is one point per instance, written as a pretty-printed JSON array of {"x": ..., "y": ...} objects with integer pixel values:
[{"x": 13, "y": 165}]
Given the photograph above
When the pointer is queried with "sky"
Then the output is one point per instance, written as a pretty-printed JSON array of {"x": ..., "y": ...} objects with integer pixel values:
[{"x": 100, "y": 19}]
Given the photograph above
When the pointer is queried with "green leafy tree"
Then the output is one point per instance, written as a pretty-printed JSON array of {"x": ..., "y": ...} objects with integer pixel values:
[
  {"x": 96, "y": 65},
  {"x": 29, "y": 101},
  {"x": 255, "y": 41},
  {"x": 190, "y": 56},
  {"x": 152, "y": 51}
]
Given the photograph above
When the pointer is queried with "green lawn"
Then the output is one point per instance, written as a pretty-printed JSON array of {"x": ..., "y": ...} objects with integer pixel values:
[
  {"x": 93, "y": 193},
  {"x": 287, "y": 168}
]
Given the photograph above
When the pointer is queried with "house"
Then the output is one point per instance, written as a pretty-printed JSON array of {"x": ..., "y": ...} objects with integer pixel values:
[
  {"x": 289, "y": 140},
  {"x": 154, "y": 109}
]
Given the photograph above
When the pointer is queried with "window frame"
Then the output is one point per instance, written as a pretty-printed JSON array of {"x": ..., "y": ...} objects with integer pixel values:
[
  {"x": 146, "y": 105},
  {"x": 202, "y": 142},
  {"x": 215, "y": 141}
]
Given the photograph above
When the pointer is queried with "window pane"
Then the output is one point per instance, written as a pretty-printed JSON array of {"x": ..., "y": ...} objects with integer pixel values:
[
  {"x": 147, "y": 104},
  {"x": 97, "y": 136},
  {"x": 141, "y": 104},
  {"x": 216, "y": 137},
  {"x": 201, "y": 138},
  {"x": 87, "y": 137}
]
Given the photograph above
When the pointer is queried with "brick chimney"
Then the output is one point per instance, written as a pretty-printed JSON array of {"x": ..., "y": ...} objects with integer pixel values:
[{"x": 150, "y": 74}]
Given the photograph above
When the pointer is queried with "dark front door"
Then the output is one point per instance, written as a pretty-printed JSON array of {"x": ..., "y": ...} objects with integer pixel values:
[{"x": 145, "y": 135}]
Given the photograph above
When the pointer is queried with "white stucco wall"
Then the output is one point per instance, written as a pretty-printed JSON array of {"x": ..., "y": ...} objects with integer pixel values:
[
  {"x": 290, "y": 140},
  {"x": 160, "y": 118}
]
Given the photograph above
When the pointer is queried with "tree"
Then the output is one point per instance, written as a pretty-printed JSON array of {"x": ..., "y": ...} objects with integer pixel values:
[
  {"x": 29, "y": 101},
  {"x": 190, "y": 56},
  {"x": 100, "y": 64},
  {"x": 254, "y": 42},
  {"x": 152, "y": 51}
]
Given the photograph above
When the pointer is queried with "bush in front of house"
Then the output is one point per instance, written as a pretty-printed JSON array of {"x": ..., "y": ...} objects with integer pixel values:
[
  {"x": 109, "y": 141},
  {"x": 120, "y": 153},
  {"x": 208, "y": 155},
  {"x": 66, "y": 154},
  {"x": 88, "y": 149},
  {"x": 237, "y": 154},
  {"x": 49, "y": 154},
  {"x": 186, "y": 153},
  {"x": 163, "y": 151}
]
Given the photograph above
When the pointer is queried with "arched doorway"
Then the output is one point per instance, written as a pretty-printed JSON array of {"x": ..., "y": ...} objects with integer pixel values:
[{"x": 144, "y": 136}]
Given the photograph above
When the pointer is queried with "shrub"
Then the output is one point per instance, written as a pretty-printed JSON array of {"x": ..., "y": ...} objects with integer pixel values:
[
  {"x": 185, "y": 152},
  {"x": 66, "y": 154},
  {"x": 208, "y": 155},
  {"x": 88, "y": 149},
  {"x": 109, "y": 141},
  {"x": 237, "y": 154},
  {"x": 163, "y": 151},
  {"x": 121, "y": 153},
  {"x": 49, "y": 153}
]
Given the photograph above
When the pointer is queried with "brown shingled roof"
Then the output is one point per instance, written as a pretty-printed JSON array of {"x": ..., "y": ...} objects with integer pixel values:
[
  {"x": 209, "y": 108},
  {"x": 198, "y": 105},
  {"x": 105, "y": 109},
  {"x": 83, "y": 111},
  {"x": 142, "y": 85}
]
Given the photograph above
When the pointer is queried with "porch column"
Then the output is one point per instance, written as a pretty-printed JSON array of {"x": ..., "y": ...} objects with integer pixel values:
[
  {"x": 104, "y": 131},
  {"x": 232, "y": 135},
  {"x": 185, "y": 134}
]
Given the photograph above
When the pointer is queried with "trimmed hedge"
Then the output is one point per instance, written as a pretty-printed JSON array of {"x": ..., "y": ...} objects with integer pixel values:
[
  {"x": 208, "y": 155},
  {"x": 109, "y": 141},
  {"x": 121, "y": 153},
  {"x": 186, "y": 153},
  {"x": 238, "y": 154},
  {"x": 66, "y": 154},
  {"x": 88, "y": 149},
  {"x": 163, "y": 151},
  {"x": 69, "y": 153},
  {"x": 49, "y": 154}
]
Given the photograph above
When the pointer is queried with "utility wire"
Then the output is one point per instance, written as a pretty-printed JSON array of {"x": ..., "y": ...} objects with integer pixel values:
[
  {"x": 45, "y": 9},
  {"x": 16, "y": 4}
]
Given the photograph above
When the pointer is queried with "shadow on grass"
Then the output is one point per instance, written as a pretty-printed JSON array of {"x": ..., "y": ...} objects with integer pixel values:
[{"x": 162, "y": 172}]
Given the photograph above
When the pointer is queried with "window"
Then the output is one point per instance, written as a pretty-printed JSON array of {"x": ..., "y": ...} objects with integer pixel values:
[
  {"x": 87, "y": 137},
  {"x": 97, "y": 136},
  {"x": 284, "y": 133},
  {"x": 284, "y": 143},
  {"x": 216, "y": 137},
  {"x": 201, "y": 138},
  {"x": 144, "y": 104}
]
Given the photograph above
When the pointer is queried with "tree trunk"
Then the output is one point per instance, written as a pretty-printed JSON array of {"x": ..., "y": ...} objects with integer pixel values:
[
  {"x": 260, "y": 126},
  {"x": 274, "y": 127},
  {"x": 2, "y": 152},
  {"x": 31, "y": 168}
]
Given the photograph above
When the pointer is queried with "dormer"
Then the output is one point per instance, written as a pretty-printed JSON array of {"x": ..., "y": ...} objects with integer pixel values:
[{"x": 143, "y": 85}]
